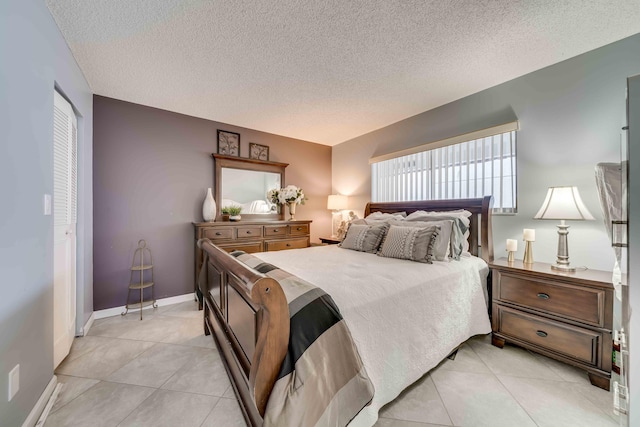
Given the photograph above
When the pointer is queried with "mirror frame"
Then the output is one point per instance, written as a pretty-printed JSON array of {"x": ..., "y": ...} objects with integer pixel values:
[{"x": 221, "y": 161}]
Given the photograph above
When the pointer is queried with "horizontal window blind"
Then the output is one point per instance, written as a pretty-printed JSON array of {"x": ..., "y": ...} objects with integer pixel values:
[{"x": 469, "y": 169}]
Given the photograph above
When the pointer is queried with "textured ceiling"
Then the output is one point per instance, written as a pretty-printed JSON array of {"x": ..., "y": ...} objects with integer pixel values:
[{"x": 324, "y": 71}]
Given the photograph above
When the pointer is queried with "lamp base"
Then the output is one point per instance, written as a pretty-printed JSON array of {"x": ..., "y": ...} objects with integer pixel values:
[
  {"x": 565, "y": 268},
  {"x": 562, "y": 261}
]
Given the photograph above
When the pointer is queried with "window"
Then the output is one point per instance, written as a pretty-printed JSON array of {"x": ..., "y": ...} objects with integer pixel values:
[{"x": 468, "y": 166}]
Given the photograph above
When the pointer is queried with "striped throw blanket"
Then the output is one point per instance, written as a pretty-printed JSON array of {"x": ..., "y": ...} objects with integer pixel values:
[{"x": 322, "y": 381}]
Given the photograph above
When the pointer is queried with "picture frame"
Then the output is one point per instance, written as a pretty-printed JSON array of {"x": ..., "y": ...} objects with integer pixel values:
[
  {"x": 258, "y": 151},
  {"x": 228, "y": 143}
]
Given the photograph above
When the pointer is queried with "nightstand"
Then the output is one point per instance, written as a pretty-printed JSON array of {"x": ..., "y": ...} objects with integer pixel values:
[
  {"x": 329, "y": 240},
  {"x": 565, "y": 316}
]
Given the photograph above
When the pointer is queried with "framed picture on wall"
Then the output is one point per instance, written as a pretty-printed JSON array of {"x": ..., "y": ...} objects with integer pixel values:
[
  {"x": 228, "y": 143},
  {"x": 258, "y": 152}
]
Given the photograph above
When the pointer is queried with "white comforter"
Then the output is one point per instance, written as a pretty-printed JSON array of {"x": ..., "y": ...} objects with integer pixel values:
[{"x": 405, "y": 317}]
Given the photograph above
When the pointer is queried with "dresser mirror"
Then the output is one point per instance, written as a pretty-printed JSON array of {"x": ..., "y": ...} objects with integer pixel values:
[{"x": 245, "y": 182}]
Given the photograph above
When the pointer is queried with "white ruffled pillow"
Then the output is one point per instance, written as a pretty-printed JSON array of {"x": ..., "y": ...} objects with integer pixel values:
[{"x": 380, "y": 216}]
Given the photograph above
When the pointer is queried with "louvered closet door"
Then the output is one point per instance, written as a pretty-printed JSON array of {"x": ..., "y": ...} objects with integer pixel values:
[{"x": 64, "y": 227}]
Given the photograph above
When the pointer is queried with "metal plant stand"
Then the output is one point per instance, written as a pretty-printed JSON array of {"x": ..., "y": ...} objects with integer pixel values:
[{"x": 141, "y": 278}]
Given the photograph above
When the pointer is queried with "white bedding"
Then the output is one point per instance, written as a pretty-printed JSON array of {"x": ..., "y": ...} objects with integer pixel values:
[{"x": 404, "y": 316}]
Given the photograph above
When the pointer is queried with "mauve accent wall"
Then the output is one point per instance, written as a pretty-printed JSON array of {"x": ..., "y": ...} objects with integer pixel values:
[{"x": 151, "y": 171}]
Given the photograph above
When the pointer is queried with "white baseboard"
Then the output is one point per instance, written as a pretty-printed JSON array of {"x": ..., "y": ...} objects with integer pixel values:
[
  {"x": 89, "y": 324},
  {"x": 108, "y": 312},
  {"x": 52, "y": 401},
  {"x": 34, "y": 415}
]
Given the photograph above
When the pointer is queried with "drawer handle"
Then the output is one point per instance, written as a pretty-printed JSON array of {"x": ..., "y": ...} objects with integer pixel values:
[
  {"x": 248, "y": 232},
  {"x": 288, "y": 244},
  {"x": 541, "y": 334},
  {"x": 543, "y": 296},
  {"x": 218, "y": 233},
  {"x": 275, "y": 230},
  {"x": 299, "y": 228}
]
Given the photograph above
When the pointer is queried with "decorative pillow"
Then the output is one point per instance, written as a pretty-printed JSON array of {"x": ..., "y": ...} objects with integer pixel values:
[
  {"x": 461, "y": 214},
  {"x": 380, "y": 216},
  {"x": 456, "y": 237},
  {"x": 458, "y": 242},
  {"x": 364, "y": 238},
  {"x": 442, "y": 244},
  {"x": 410, "y": 243},
  {"x": 361, "y": 221}
]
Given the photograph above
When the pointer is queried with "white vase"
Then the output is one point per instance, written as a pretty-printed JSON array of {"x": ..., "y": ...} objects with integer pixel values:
[
  {"x": 209, "y": 207},
  {"x": 292, "y": 210}
]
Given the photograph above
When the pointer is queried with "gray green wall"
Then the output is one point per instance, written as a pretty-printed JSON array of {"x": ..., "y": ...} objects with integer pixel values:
[
  {"x": 35, "y": 58},
  {"x": 570, "y": 116}
]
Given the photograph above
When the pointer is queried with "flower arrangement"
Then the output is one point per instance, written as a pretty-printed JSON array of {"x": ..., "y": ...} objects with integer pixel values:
[
  {"x": 272, "y": 196},
  {"x": 286, "y": 195},
  {"x": 291, "y": 194}
]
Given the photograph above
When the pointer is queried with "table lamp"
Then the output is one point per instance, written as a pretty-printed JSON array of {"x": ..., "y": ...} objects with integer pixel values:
[
  {"x": 563, "y": 203},
  {"x": 337, "y": 203}
]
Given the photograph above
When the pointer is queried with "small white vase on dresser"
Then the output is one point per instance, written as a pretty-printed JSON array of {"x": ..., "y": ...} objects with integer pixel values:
[{"x": 209, "y": 207}]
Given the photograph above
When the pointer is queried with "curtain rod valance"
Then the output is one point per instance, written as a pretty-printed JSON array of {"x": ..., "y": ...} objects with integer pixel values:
[{"x": 482, "y": 133}]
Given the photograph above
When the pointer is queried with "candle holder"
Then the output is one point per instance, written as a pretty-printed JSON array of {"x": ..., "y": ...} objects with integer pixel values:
[
  {"x": 528, "y": 252},
  {"x": 512, "y": 247}
]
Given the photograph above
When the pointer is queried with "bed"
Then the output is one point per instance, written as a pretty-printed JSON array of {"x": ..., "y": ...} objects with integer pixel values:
[{"x": 390, "y": 316}]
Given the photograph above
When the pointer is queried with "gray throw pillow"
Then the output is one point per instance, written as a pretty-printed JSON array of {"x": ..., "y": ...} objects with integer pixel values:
[
  {"x": 461, "y": 223},
  {"x": 442, "y": 244},
  {"x": 364, "y": 238},
  {"x": 410, "y": 243}
]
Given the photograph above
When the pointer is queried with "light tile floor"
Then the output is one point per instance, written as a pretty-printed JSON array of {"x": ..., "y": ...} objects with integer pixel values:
[{"x": 163, "y": 371}]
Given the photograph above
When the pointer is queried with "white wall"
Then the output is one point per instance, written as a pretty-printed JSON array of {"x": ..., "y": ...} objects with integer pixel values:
[
  {"x": 570, "y": 116},
  {"x": 35, "y": 58},
  {"x": 634, "y": 248}
]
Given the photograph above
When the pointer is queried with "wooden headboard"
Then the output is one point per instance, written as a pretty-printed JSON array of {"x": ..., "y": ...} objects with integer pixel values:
[{"x": 480, "y": 232}]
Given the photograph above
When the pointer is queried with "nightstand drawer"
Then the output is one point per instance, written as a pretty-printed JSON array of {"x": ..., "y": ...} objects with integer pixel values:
[
  {"x": 578, "y": 303},
  {"x": 249, "y": 232},
  {"x": 219, "y": 233},
  {"x": 279, "y": 245},
  {"x": 578, "y": 343},
  {"x": 299, "y": 229}
]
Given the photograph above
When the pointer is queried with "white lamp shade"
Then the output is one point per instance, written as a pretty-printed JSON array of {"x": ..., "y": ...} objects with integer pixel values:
[
  {"x": 337, "y": 202},
  {"x": 563, "y": 203}
]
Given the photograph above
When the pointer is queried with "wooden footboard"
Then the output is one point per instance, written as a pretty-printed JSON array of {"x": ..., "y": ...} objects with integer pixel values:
[{"x": 247, "y": 313}]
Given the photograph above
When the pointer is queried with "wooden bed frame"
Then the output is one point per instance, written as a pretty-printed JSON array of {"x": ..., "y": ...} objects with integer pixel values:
[{"x": 248, "y": 315}]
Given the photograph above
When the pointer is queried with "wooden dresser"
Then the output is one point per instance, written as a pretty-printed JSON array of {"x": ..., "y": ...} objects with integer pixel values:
[
  {"x": 566, "y": 316},
  {"x": 251, "y": 236}
]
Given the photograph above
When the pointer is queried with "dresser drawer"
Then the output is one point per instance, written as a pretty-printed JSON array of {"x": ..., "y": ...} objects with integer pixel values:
[
  {"x": 248, "y": 247},
  {"x": 279, "y": 245},
  {"x": 577, "y": 303},
  {"x": 249, "y": 231},
  {"x": 219, "y": 233},
  {"x": 578, "y": 343},
  {"x": 298, "y": 229},
  {"x": 275, "y": 230}
]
